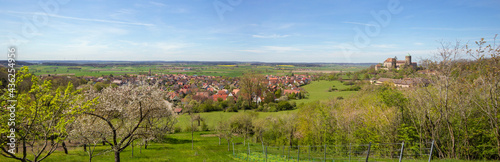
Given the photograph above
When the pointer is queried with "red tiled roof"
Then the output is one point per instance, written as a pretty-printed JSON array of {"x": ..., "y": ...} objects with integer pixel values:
[{"x": 178, "y": 110}]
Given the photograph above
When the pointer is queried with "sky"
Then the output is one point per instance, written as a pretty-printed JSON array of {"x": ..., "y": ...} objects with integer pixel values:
[{"x": 327, "y": 31}]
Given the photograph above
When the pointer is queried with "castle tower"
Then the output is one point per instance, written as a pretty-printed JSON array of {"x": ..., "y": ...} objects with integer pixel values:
[
  {"x": 408, "y": 60},
  {"x": 393, "y": 63},
  {"x": 149, "y": 74}
]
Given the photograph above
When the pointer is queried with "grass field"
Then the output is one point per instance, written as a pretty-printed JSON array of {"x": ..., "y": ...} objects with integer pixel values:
[
  {"x": 177, "y": 147},
  {"x": 318, "y": 90}
]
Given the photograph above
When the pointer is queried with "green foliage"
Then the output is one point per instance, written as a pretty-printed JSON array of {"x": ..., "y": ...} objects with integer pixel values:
[
  {"x": 284, "y": 105},
  {"x": 43, "y": 114}
]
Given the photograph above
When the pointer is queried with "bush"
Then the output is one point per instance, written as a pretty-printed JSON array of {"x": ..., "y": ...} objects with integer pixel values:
[
  {"x": 204, "y": 126},
  {"x": 272, "y": 107},
  {"x": 177, "y": 129},
  {"x": 353, "y": 88},
  {"x": 232, "y": 109},
  {"x": 284, "y": 105},
  {"x": 188, "y": 128},
  {"x": 348, "y": 83},
  {"x": 261, "y": 108}
]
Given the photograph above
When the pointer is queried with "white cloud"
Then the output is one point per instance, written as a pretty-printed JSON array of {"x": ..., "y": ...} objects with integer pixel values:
[
  {"x": 456, "y": 29},
  {"x": 384, "y": 46},
  {"x": 272, "y": 49},
  {"x": 158, "y": 45},
  {"x": 281, "y": 48},
  {"x": 157, "y": 4},
  {"x": 252, "y": 51},
  {"x": 273, "y": 36},
  {"x": 81, "y": 19}
]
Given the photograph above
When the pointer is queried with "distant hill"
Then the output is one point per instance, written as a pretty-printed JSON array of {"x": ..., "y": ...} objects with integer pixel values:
[{"x": 96, "y": 62}]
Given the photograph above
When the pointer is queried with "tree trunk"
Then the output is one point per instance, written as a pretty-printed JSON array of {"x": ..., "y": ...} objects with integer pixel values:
[
  {"x": 117, "y": 156},
  {"x": 64, "y": 147},
  {"x": 145, "y": 144},
  {"x": 85, "y": 147},
  {"x": 103, "y": 143}
]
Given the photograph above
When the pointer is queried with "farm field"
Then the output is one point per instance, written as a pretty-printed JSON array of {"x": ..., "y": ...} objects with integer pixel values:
[{"x": 208, "y": 70}]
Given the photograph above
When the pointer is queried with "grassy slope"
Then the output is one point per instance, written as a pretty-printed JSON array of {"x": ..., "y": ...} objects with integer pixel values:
[{"x": 318, "y": 90}]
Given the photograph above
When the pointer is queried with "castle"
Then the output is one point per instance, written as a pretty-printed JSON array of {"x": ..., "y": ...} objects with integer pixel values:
[{"x": 393, "y": 63}]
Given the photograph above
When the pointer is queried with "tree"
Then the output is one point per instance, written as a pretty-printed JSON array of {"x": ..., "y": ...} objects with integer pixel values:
[
  {"x": 131, "y": 112},
  {"x": 242, "y": 123},
  {"x": 223, "y": 130},
  {"x": 252, "y": 86},
  {"x": 486, "y": 89},
  {"x": 41, "y": 117},
  {"x": 82, "y": 130}
]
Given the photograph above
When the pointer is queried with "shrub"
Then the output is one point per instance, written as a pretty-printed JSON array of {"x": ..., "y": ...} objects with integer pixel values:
[
  {"x": 177, "y": 129},
  {"x": 204, "y": 126},
  {"x": 232, "y": 109},
  {"x": 284, "y": 105},
  {"x": 348, "y": 83},
  {"x": 188, "y": 128}
]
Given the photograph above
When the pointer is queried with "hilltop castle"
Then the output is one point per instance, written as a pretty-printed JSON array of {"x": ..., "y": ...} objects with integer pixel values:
[{"x": 393, "y": 63}]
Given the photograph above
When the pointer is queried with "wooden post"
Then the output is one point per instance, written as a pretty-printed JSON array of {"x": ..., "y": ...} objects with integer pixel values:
[
  {"x": 298, "y": 152},
  {"x": 324, "y": 154},
  {"x": 368, "y": 154},
  {"x": 349, "y": 152},
  {"x": 402, "y": 148},
  {"x": 266, "y": 153},
  {"x": 430, "y": 154}
]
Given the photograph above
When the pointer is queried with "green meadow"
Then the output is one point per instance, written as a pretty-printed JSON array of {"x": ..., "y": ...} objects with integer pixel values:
[
  {"x": 174, "y": 147},
  {"x": 318, "y": 90},
  {"x": 177, "y": 148}
]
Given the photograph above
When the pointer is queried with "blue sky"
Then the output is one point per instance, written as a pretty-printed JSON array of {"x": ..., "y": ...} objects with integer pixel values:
[{"x": 242, "y": 30}]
